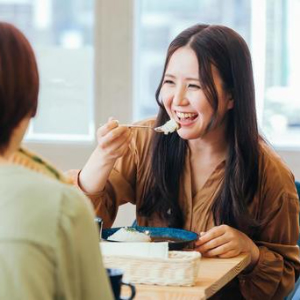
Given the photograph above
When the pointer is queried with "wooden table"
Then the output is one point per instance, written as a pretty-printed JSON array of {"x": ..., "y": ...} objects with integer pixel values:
[{"x": 214, "y": 273}]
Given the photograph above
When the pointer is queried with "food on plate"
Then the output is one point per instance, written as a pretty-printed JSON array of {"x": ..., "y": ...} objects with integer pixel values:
[
  {"x": 168, "y": 127},
  {"x": 129, "y": 235},
  {"x": 177, "y": 239}
]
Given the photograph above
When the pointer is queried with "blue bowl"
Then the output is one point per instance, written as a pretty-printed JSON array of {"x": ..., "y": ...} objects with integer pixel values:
[{"x": 177, "y": 239}]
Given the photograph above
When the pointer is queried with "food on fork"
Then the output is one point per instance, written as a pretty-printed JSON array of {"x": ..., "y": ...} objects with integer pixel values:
[
  {"x": 168, "y": 127},
  {"x": 129, "y": 235}
]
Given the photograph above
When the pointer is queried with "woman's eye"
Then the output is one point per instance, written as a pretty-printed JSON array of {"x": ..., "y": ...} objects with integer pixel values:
[
  {"x": 194, "y": 86},
  {"x": 167, "y": 81}
]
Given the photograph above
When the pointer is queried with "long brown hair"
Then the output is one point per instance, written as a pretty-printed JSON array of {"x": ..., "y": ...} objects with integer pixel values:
[
  {"x": 19, "y": 81},
  {"x": 228, "y": 52}
]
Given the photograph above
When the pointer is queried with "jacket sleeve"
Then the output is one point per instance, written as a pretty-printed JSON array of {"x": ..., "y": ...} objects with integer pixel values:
[
  {"x": 119, "y": 189},
  {"x": 126, "y": 182},
  {"x": 278, "y": 267}
]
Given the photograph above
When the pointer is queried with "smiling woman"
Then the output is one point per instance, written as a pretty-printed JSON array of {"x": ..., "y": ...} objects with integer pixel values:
[
  {"x": 215, "y": 175},
  {"x": 187, "y": 102}
]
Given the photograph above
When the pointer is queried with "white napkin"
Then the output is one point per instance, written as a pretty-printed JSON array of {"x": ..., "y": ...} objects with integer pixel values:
[{"x": 139, "y": 249}]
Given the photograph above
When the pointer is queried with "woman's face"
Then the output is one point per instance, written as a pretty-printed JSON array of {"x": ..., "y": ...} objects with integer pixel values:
[{"x": 185, "y": 101}]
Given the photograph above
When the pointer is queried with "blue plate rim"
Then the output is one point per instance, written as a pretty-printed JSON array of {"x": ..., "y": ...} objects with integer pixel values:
[{"x": 144, "y": 228}]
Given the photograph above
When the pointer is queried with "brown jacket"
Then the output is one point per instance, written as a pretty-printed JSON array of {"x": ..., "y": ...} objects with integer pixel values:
[{"x": 276, "y": 202}]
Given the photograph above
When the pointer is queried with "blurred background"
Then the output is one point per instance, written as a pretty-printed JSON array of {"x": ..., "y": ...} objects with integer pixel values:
[{"x": 101, "y": 58}]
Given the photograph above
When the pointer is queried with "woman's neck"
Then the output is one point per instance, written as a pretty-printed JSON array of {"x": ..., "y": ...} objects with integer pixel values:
[
  {"x": 3, "y": 160},
  {"x": 7, "y": 153},
  {"x": 15, "y": 140},
  {"x": 213, "y": 144}
]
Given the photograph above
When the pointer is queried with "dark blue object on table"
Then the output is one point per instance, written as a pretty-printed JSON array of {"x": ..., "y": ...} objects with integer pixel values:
[
  {"x": 184, "y": 238},
  {"x": 115, "y": 277}
]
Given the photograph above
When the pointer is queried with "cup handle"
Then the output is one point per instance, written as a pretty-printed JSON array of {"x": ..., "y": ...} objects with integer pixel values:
[{"x": 132, "y": 288}]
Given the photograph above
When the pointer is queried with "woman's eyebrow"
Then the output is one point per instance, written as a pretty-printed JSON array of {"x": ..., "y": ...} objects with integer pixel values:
[
  {"x": 192, "y": 78},
  {"x": 169, "y": 75},
  {"x": 188, "y": 78}
]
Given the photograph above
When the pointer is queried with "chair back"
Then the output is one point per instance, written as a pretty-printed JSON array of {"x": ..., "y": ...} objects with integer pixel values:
[
  {"x": 298, "y": 190},
  {"x": 295, "y": 294},
  {"x": 298, "y": 187}
]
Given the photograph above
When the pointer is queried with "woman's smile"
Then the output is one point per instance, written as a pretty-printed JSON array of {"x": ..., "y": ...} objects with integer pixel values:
[{"x": 186, "y": 118}]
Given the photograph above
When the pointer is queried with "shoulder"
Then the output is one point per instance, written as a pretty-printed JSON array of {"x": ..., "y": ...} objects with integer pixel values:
[
  {"x": 74, "y": 204},
  {"x": 36, "y": 163},
  {"x": 21, "y": 180},
  {"x": 275, "y": 175},
  {"x": 34, "y": 205},
  {"x": 62, "y": 200}
]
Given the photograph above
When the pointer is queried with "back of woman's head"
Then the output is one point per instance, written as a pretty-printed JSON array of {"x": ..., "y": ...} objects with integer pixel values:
[{"x": 19, "y": 81}]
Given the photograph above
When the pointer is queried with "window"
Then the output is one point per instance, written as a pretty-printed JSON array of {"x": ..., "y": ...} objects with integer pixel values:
[
  {"x": 270, "y": 29},
  {"x": 61, "y": 33},
  {"x": 85, "y": 64},
  {"x": 93, "y": 66},
  {"x": 281, "y": 114}
]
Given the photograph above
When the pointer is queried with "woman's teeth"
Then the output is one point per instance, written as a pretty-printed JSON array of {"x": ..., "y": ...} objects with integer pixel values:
[{"x": 183, "y": 116}]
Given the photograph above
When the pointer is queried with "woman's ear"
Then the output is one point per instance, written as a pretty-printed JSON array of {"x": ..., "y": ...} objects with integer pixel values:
[{"x": 230, "y": 104}]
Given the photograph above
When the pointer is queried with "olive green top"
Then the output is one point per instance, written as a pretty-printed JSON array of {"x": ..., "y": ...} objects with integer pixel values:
[{"x": 49, "y": 244}]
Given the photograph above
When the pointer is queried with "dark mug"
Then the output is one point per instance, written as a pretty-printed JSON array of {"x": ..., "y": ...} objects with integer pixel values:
[
  {"x": 115, "y": 276},
  {"x": 99, "y": 222}
]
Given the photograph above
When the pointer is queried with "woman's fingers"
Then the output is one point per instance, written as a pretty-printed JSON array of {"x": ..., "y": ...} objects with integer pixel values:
[
  {"x": 220, "y": 250},
  {"x": 231, "y": 253},
  {"x": 111, "y": 134},
  {"x": 211, "y": 244},
  {"x": 222, "y": 241},
  {"x": 116, "y": 137},
  {"x": 107, "y": 127},
  {"x": 113, "y": 140},
  {"x": 211, "y": 234},
  {"x": 116, "y": 148},
  {"x": 120, "y": 145}
]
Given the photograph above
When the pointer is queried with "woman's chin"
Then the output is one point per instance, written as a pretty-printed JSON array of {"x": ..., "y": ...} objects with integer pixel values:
[{"x": 188, "y": 134}]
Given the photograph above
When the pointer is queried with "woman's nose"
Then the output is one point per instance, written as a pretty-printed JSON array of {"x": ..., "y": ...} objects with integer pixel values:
[{"x": 180, "y": 98}]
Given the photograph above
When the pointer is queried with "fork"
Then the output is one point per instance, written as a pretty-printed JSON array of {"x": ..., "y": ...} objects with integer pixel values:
[
  {"x": 157, "y": 129},
  {"x": 136, "y": 126}
]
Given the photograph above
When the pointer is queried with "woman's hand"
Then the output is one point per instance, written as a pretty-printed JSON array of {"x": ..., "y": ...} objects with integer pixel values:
[
  {"x": 224, "y": 241},
  {"x": 113, "y": 141}
]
